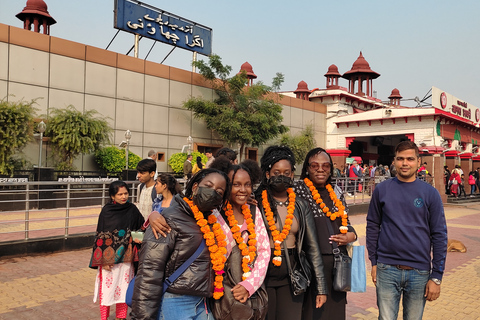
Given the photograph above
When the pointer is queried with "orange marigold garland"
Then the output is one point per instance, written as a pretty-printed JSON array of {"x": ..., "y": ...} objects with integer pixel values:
[
  {"x": 218, "y": 248},
  {"x": 318, "y": 199},
  {"x": 278, "y": 236},
  {"x": 248, "y": 252}
]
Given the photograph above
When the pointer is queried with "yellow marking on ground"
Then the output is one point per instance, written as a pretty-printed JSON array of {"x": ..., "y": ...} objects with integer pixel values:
[
  {"x": 33, "y": 292},
  {"x": 464, "y": 226}
]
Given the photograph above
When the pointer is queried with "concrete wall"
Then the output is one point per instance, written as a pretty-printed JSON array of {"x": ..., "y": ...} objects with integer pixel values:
[{"x": 134, "y": 94}]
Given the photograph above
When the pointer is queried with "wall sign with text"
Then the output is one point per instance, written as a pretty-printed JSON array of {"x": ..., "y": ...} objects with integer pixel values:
[{"x": 156, "y": 24}]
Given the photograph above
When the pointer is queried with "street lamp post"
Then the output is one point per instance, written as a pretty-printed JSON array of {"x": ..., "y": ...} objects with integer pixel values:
[
  {"x": 41, "y": 128},
  {"x": 190, "y": 144},
  {"x": 128, "y": 135}
]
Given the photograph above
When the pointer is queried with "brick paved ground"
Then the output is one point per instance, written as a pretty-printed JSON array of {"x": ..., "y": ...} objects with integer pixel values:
[{"x": 60, "y": 285}]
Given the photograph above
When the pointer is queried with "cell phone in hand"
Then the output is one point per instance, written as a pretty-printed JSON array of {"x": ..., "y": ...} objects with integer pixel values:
[{"x": 137, "y": 235}]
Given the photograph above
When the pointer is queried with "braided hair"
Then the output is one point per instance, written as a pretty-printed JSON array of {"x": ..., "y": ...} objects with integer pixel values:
[
  {"x": 251, "y": 167},
  {"x": 272, "y": 155},
  {"x": 310, "y": 154}
]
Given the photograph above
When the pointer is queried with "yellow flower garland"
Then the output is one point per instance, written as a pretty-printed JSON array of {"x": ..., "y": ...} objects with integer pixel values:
[
  {"x": 278, "y": 236},
  {"x": 218, "y": 248},
  {"x": 248, "y": 253},
  {"x": 318, "y": 199}
]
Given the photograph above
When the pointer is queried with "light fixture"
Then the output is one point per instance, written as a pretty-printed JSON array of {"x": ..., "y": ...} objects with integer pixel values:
[
  {"x": 128, "y": 136},
  {"x": 190, "y": 144},
  {"x": 41, "y": 128}
]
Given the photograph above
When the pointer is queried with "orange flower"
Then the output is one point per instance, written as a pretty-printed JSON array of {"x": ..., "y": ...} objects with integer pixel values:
[
  {"x": 279, "y": 237},
  {"x": 216, "y": 245},
  {"x": 341, "y": 208},
  {"x": 233, "y": 223}
]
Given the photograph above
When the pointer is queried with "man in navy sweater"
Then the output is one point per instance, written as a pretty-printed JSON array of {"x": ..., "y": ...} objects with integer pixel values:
[{"x": 405, "y": 224}]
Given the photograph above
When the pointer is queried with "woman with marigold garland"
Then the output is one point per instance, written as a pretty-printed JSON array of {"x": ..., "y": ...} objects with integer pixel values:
[
  {"x": 239, "y": 227},
  {"x": 328, "y": 206},
  {"x": 191, "y": 221},
  {"x": 290, "y": 222}
]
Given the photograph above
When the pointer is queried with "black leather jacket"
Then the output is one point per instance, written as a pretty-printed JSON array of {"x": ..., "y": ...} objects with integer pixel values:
[
  {"x": 307, "y": 242},
  {"x": 160, "y": 258}
]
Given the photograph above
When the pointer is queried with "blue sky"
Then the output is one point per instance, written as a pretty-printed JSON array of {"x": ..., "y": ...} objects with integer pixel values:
[{"x": 414, "y": 45}]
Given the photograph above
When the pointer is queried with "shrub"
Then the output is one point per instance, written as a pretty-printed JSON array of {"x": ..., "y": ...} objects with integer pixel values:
[
  {"x": 16, "y": 130},
  {"x": 112, "y": 159},
  {"x": 177, "y": 159}
]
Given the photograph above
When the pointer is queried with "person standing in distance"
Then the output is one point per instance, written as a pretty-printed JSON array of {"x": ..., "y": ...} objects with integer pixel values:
[
  {"x": 187, "y": 167},
  {"x": 405, "y": 225},
  {"x": 210, "y": 157}
]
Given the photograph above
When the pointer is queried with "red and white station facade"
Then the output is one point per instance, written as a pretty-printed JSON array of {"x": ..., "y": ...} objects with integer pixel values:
[{"x": 359, "y": 124}]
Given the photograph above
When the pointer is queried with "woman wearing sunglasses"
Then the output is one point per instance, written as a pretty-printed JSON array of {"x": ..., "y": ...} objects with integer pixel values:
[{"x": 328, "y": 206}]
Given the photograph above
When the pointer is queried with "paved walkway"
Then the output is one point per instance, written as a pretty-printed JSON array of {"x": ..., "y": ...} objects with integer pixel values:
[{"x": 60, "y": 285}]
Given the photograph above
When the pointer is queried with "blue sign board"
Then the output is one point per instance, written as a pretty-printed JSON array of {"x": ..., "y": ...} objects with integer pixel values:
[{"x": 156, "y": 24}]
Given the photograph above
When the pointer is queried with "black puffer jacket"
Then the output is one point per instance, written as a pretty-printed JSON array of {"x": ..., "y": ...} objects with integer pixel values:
[
  {"x": 160, "y": 258},
  {"x": 307, "y": 242}
]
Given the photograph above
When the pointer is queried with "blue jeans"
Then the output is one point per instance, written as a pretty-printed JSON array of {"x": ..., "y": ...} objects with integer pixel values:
[
  {"x": 184, "y": 307},
  {"x": 472, "y": 190},
  {"x": 392, "y": 283}
]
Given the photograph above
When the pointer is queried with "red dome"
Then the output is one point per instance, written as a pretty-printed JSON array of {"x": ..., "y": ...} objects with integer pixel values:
[
  {"x": 302, "y": 87},
  {"x": 332, "y": 71},
  {"x": 361, "y": 66},
  {"x": 360, "y": 63},
  {"x": 395, "y": 94},
  {"x": 36, "y": 7},
  {"x": 248, "y": 69}
]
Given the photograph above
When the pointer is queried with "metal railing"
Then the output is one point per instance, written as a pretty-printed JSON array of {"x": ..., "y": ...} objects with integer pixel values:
[{"x": 43, "y": 209}]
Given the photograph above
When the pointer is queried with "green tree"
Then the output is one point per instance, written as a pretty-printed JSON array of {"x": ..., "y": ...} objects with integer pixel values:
[
  {"x": 247, "y": 115},
  {"x": 73, "y": 132},
  {"x": 300, "y": 143},
  {"x": 112, "y": 159},
  {"x": 16, "y": 130}
]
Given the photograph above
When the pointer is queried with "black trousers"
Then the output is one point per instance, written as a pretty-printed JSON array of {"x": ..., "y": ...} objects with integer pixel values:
[{"x": 282, "y": 303}]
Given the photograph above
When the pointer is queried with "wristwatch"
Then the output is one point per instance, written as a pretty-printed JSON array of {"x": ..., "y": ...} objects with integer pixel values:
[{"x": 436, "y": 281}]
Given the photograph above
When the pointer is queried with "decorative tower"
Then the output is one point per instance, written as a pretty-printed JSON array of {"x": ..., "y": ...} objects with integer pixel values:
[
  {"x": 395, "y": 97},
  {"x": 36, "y": 13},
  {"x": 247, "y": 67},
  {"x": 361, "y": 72},
  {"x": 332, "y": 76},
  {"x": 302, "y": 91}
]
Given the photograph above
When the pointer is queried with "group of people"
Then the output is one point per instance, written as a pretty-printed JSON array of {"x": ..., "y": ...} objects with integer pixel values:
[
  {"x": 283, "y": 227},
  {"x": 455, "y": 181}
]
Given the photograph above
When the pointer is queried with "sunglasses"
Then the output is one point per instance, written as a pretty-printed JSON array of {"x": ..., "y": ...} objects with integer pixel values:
[{"x": 326, "y": 166}]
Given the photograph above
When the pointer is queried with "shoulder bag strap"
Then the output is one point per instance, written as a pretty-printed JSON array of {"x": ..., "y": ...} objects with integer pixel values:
[
  {"x": 335, "y": 250},
  {"x": 285, "y": 249},
  {"x": 184, "y": 266}
]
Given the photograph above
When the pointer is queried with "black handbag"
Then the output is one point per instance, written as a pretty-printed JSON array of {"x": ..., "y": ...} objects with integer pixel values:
[
  {"x": 342, "y": 266},
  {"x": 301, "y": 274},
  {"x": 229, "y": 308}
]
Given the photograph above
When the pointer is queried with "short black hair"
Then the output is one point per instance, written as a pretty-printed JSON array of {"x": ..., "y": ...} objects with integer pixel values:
[
  {"x": 147, "y": 165},
  {"x": 407, "y": 145},
  {"x": 115, "y": 186},
  {"x": 227, "y": 152},
  {"x": 310, "y": 154},
  {"x": 250, "y": 166}
]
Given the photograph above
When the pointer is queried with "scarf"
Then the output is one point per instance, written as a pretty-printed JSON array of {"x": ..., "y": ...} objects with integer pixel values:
[{"x": 113, "y": 241}]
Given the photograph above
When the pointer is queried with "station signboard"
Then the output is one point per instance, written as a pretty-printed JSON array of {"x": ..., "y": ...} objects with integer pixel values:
[
  {"x": 449, "y": 103},
  {"x": 139, "y": 18}
]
